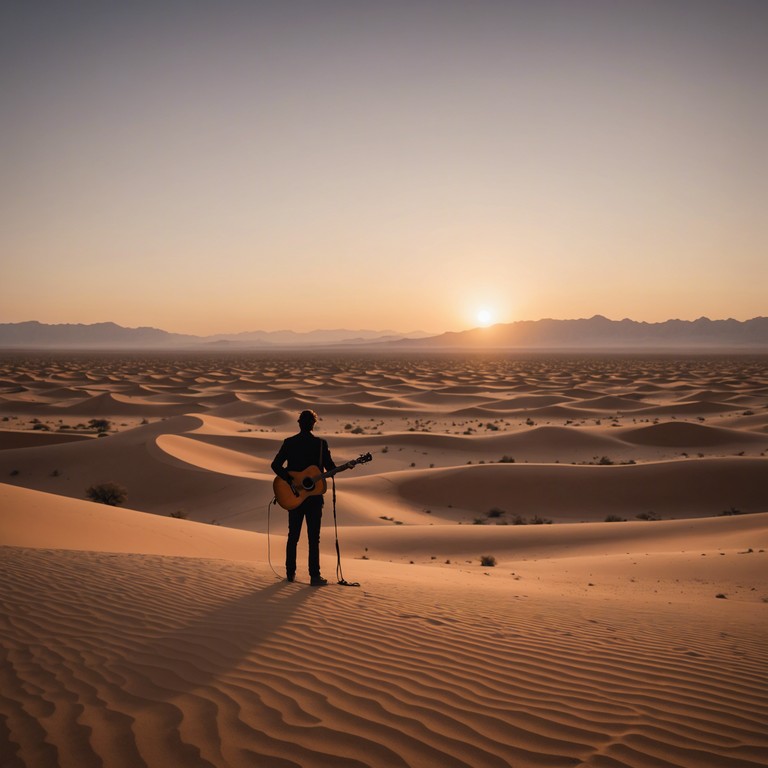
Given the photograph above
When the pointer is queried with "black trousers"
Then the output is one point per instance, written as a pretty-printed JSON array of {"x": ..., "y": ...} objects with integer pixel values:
[{"x": 311, "y": 509}]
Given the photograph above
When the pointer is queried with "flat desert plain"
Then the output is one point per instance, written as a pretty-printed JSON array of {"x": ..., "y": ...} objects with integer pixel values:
[{"x": 623, "y": 500}]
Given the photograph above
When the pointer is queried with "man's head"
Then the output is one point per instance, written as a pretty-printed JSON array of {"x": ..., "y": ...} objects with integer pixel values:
[{"x": 307, "y": 420}]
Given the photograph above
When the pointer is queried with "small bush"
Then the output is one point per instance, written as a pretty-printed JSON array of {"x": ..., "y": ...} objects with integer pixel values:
[
  {"x": 488, "y": 561},
  {"x": 179, "y": 514},
  {"x": 100, "y": 425},
  {"x": 506, "y": 460},
  {"x": 496, "y": 512},
  {"x": 615, "y": 519},
  {"x": 111, "y": 494},
  {"x": 729, "y": 512}
]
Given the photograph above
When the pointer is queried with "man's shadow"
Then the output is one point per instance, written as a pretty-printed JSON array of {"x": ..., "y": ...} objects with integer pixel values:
[{"x": 204, "y": 649}]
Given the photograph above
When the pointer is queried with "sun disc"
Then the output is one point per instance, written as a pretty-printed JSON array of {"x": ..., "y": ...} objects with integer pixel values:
[{"x": 484, "y": 317}]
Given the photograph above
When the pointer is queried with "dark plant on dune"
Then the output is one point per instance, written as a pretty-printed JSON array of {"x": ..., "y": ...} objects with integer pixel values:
[
  {"x": 488, "y": 561},
  {"x": 111, "y": 494}
]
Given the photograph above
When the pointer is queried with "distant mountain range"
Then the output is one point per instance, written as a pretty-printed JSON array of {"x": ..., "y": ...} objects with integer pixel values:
[
  {"x": 597, "y": 333},
  {"x": 37, "y": 335}
]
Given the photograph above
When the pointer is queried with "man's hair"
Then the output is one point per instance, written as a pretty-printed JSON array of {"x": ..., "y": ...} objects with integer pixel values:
[{"x": 307, "y": 419}]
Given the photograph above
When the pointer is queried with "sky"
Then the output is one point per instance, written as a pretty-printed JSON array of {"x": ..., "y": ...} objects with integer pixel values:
[{"x": 214, "y": 167}]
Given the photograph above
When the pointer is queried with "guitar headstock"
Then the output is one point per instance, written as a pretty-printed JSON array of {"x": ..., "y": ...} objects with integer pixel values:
[{"x": 363, "y": 458}]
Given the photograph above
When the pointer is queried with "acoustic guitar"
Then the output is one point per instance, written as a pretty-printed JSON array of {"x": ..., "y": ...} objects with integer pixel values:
[{"x": 309, "y": 482}]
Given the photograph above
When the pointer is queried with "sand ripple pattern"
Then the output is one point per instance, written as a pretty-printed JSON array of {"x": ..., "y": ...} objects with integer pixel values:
[{"x": 140, "y": 660}]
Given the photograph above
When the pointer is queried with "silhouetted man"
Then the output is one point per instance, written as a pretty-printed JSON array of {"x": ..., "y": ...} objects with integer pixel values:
[{"x": 295, "y": 455}]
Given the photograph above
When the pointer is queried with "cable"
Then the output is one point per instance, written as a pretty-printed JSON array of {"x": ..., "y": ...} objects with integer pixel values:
[
  {"x": 269, "y": 549},
  {"x": 339, "y": 573}
]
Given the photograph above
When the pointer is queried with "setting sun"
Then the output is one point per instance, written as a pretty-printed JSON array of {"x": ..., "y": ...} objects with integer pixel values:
[{"x": 484, "y": 316}]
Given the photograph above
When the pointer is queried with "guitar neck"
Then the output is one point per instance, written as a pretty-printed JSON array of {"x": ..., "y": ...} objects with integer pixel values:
[{"x": 341, "y": 468}]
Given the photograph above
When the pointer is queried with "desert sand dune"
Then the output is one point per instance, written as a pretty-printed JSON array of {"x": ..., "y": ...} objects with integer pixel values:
[
  {"x": 687, "y": 434},
  {"x": 692, "y": 407},
  {"x": 131, "y": 638},
  {"x": 10, "y": 439},
  {"x": 571, "y": 493}
]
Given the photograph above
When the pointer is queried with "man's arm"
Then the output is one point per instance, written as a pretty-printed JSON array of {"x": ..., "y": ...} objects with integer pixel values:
[
  {"x": 328, "y": 463},
  {"x": 277, "y": 465}
]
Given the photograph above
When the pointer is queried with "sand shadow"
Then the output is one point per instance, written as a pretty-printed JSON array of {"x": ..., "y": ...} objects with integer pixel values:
[{"x": 208, "y": 646}]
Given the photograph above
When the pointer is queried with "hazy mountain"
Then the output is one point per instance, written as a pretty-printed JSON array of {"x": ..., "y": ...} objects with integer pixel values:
[
  {"x": 312, "y": 338},
  {"x": 594, "y": 333},
  {"x": 112, "y": 336},
  {"x": 96, "y": 335},
  {"x": 599, "y": 332}
]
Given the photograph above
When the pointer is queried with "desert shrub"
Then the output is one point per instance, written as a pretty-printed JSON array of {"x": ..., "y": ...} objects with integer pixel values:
[
  {"x": 478, "y": 521},
  {"x": 536, "y": 520},
  {"x": 100, "y": 425},
  {"x": 615, "y": 519},
  {"x": 111, "y": 494},
  {"x": 488, "y": 561},
  {"x": 605, "y": 461},
  {"x": 39, "y": 425},
  {"x": 647, "y": 516},
  {"x": 729, "y": 512},
  {"x": 357, "y": 431},
  {"x": 179, "y": 514},
  {"x": 496, "y": 512},
  {"x": 506, "y": 460}
]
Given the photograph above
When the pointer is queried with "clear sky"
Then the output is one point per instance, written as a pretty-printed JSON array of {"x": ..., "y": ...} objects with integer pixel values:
[{"x": 225, "y": 166}]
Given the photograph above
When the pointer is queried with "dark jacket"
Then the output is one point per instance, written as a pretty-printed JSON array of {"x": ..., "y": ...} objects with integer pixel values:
[{"x": 299, "y": 452}]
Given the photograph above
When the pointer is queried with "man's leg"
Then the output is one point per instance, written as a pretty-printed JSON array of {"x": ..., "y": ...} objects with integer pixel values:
[
  {"x": 295, "y": 517},
  {"x": 314, "y": 518}
]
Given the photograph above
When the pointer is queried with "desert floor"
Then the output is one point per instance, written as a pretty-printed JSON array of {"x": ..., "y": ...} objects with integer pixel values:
[{"x": 623, "y": 498}]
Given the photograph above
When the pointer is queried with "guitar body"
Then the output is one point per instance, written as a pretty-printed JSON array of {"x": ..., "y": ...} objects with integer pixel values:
[{"x": 308, "y": 482}]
